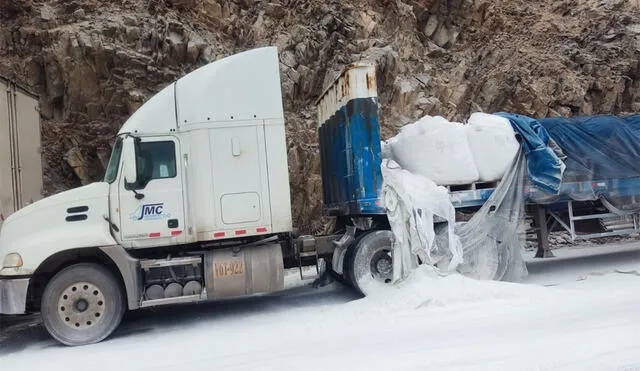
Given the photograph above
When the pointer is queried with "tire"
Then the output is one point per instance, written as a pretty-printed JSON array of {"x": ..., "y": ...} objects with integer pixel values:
[
  {"x": 82, "y": 304},
  {"x": 346, "y": 277},
  {"x": 488, "y": 263},
  {"x": 370, "y": 262}
]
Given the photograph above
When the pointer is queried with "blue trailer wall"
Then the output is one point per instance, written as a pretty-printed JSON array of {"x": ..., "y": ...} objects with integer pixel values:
[{"x": 350, "y": 159}]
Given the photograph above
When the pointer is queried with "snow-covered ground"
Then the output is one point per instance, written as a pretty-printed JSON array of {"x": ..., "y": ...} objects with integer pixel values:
[{"x": 578, "y": 311}]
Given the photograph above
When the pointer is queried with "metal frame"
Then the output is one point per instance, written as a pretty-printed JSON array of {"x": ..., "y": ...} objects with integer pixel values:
[
  {"x": 169, "y": 262},
  {"x": 542, "y": 232},
  {"x": 570, "y": 225},
  {"x": 175, "y": 300},
  {"x": 306, "y": 254}
]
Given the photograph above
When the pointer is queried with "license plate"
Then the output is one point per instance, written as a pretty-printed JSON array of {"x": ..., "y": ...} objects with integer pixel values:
[{"x": 228, "y": 268}]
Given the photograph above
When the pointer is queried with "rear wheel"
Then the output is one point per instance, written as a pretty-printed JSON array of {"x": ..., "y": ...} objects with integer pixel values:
[
  {"x": 370, "y": 262},
  {"x": 82, "y": 304}
]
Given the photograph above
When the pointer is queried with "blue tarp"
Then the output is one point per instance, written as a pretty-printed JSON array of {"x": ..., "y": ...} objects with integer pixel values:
[
  {"x": 596, "y": 148},
  {"x": 543, "y": 165}
]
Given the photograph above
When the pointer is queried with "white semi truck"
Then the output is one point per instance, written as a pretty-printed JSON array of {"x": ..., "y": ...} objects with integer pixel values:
[{"x": 195, "y": 204}]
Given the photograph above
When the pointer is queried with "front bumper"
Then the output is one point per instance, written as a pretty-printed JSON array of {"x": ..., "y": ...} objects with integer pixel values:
[{"x": 13, "y": 295}]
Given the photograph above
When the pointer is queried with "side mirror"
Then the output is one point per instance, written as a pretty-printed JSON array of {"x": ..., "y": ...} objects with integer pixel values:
[{"x": 129, "y": 170}]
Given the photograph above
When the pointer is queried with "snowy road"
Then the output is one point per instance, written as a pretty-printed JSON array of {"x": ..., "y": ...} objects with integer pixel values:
[{"x": 579, "y": 311}]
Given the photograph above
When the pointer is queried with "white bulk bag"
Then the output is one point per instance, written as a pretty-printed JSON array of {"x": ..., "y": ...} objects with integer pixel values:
[
  {"x": 437, "y": 149},
  {"x": 493, "y": 145}
]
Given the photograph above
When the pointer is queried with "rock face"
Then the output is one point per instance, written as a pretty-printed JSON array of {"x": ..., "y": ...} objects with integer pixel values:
[{"x": 94, "y": 62}]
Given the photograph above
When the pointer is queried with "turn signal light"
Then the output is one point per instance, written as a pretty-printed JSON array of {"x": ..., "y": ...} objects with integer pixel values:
[{"x": 13, "y": 260}]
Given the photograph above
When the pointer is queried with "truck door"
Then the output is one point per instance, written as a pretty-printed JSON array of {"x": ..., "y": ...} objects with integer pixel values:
[{"x": 152, "y": 213}]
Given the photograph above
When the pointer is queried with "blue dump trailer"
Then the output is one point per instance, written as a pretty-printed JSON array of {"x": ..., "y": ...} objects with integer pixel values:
[
  {"x": 349, "y": 139},
  {"x": 598, "y": 195}
]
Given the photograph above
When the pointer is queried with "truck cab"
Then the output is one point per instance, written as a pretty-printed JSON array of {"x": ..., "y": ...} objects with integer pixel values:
[
  {"x": 195, "y": 204},
  {"x": 201, "y": 162}
]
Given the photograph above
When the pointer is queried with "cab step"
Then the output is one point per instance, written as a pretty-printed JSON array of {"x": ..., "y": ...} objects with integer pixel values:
[{"x": 306, "y": 248}]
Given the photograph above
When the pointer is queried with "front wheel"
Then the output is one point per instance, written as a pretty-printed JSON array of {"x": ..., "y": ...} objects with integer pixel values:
[
  {"x": 82, "y": 304},
  {"x": 371, "y": 262}
]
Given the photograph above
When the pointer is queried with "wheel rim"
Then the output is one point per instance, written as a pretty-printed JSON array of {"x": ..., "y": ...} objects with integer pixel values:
[
  {"x": 382, "y": 266},
  {"x": 81, "y": 305}
]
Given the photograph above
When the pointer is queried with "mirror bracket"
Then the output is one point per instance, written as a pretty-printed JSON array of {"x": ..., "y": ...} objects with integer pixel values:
[{"x": 131, "y": 181}]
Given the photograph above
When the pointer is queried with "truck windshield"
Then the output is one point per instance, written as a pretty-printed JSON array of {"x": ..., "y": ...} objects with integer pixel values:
[{"x": 112, "y": 170}]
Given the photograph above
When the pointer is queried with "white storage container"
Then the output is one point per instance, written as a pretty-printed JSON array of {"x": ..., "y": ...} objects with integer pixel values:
[{"x": 20, "y": 159}]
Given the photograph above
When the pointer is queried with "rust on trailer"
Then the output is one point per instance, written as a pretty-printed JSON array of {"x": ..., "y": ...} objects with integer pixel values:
[
  {"x": 345, "y": 86},
  {"x": 371, "y": 81},
  {"x": 344, "y": 72},
  {"x": 356, "y": 80}
]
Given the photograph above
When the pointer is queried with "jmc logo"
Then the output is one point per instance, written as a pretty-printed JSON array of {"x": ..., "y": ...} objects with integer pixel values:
[{"x": 149, "y": 212}]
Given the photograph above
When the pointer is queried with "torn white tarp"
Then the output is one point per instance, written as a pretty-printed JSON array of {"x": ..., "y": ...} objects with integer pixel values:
[
  {"x": 491, "y": 242},
  {"x": 422, "y": 217},
  {"x": 386, "y": 148},
  {"x": 413, "y": 203}
]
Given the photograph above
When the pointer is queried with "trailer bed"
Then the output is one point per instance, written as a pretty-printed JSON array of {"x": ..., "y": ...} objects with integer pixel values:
[{"x": 607, "y": 188}]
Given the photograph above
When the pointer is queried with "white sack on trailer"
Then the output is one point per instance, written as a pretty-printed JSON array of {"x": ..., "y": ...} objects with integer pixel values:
[
  {"x": 437, "y": 149},
  {"x": 493, "y": 145}
]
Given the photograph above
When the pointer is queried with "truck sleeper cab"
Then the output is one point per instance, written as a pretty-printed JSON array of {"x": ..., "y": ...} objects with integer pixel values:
[{"x": 194, "y": 206}]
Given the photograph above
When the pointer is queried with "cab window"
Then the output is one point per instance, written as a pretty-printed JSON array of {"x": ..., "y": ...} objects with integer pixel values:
[
  {"x": 114, "y": 162},
  {"x": 156, "y": 160}
]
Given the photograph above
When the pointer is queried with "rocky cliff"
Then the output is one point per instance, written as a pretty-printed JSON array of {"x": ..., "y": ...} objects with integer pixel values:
[{"x": 94, "y": 62}]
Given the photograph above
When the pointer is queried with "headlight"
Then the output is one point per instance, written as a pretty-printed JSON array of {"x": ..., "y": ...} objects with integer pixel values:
[{"x": 13, "y": 260}]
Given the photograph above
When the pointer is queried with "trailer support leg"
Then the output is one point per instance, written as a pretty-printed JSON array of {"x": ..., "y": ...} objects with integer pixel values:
[{"x": 540, "y": 218}]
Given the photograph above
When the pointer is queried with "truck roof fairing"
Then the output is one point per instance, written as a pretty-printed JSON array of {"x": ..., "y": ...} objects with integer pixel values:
[{"x": 244, "y": 86}]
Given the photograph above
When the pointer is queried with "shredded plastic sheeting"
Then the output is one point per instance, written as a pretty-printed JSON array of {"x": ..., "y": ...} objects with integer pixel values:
[
  {"x": 437, "y": 149},
  {"x": 493, "y": 145},
  {"x": 420, "y": 211},
  {"x": 488, "y": 246},
  {"x": 413, "y": 204},
  {"x": 492, "y": 247}
]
